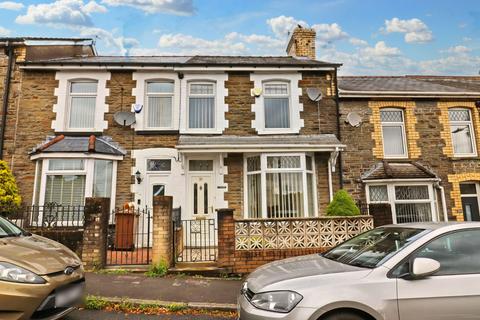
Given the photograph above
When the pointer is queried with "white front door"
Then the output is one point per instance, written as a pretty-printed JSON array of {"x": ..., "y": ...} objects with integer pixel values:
[{"x": 201, "y": 194}]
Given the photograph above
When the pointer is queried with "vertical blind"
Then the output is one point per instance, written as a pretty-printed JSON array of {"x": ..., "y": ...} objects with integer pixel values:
[
  {"x": 201, "y": 106},
  {"x": 283, "y": 189},
  {"x": 159, "y": 104},
  {"x": 276, "y": 104},
  {"x": 83, "y": 96},
  {"x": 102, "y": 179},
  {"x": 65, "y": 189}
]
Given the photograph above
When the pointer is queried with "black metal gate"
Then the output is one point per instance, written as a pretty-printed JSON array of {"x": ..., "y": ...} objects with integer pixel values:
[
  {"x": 130, "y": 237},
  {"x": 195, "y": 240}
]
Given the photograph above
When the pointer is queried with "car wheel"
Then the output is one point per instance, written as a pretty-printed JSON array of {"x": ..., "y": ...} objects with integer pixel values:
[{"x": 344, "y": 315}]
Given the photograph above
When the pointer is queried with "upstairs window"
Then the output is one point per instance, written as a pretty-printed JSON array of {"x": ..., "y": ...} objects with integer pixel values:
[
  {"x": 462, "y": 131},
  {"x": 393, "y": 131},
  {"x": 159, "y": 104},
  {"x": 276, "y": 97},
  {"x": 82, "y": 101},
  {"x": 201, "y": 105}
]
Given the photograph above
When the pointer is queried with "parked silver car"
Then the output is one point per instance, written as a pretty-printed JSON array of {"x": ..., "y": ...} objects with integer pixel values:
[{"x": 407, "y": 272}]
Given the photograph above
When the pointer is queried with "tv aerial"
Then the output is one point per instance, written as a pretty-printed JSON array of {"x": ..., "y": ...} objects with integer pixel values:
[{"x": 124, "y": 118}]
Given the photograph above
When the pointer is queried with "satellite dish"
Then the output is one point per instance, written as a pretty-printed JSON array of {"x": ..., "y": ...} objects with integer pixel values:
[
  {"x": 354, "y": 119},
  {"x": 137, "y": 107},
  {"x": 124, "y": 118},
  {"x": 256, "y": 92},
  {"x": 314, "y": 94}
]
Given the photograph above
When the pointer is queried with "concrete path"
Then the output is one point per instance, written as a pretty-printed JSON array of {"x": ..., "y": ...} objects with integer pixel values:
[
  {"x": 169, "y": 289},
  {"x": 102, "y": 315}
]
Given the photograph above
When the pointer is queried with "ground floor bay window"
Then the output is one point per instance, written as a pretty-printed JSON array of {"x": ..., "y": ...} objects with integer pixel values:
[
  {"x": 66, "y": 182},
  {"x": 280, "y": 185},
  {"x": 409, "y": 202}
]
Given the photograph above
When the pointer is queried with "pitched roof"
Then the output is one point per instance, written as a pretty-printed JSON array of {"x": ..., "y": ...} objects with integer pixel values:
[
  {"x": 188, "y": 61},
  {"x": 400, "y": 84},
  {"x": 398, "y": 170},
  {"x": 92, "y": 144}
]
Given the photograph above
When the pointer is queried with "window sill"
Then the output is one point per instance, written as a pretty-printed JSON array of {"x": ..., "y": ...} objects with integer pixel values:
[
  {"x": 463, "y": 158},
  {"x": 272, "y": 132},
  {"x": 156, "y": 132}
]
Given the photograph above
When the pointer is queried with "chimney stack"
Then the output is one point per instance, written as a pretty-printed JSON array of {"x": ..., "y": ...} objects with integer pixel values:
[{"x": 302, "y": 43}]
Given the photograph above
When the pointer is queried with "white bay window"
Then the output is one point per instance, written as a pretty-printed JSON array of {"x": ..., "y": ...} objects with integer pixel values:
[
  {"x": 414, "y": 202},
  {"x": 68, "y": 181},
  {"x": 280, "y": 186}
]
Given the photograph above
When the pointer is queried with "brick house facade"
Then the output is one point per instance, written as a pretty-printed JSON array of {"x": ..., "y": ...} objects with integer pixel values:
[{"x": 237, "y": 132}]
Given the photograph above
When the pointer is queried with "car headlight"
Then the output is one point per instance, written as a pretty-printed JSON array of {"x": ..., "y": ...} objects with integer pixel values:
[
  {"x": 276, "y": 301},
  {"x": 13, "y": 273}
]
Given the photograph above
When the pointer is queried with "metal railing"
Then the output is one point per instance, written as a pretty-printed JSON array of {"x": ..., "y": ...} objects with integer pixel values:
[{"x": 50, "y": 215}]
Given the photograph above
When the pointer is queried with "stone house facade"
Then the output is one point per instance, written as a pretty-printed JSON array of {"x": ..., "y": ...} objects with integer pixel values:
[{"x": 236, "y": 132}]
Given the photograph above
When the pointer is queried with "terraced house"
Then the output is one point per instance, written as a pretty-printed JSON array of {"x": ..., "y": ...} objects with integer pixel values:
[{"x": 269, "y": 137}]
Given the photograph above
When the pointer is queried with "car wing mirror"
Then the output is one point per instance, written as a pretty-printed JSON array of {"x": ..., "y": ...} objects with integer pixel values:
[{"x": 422, "y": 268}]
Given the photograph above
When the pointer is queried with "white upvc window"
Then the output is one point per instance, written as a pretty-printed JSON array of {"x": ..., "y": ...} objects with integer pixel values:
[
  {"x": 81, "y": 101},
  {"x": 276, "y": 100},
  {"x": 280, "y": 186},
  {"x": 393, "y": 133},
  {"x": 159, "y": 104},
  {"x": 82, "y": 104},
  {"x": 201, "y": 105},
  {"x": 463, "y": 134},
  {"x": 410, "y": 202},
  {"x": 277, "y": 109},
  {"x": 68, "y": 181}
]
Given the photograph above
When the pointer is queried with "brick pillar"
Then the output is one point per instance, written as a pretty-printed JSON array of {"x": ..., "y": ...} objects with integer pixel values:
[
  {"x": 95, "y": 232},
  {"x": 226, "y": 239},
  {"x": 382, "y": 214},
  {"x": 162, "y": 246}
]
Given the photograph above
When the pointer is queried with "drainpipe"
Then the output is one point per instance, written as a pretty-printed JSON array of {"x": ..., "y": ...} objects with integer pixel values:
[
  {"x": 337, "y": 103},
  {"x": 6, "y": 94},
  {"x": 444, "y": 202}
]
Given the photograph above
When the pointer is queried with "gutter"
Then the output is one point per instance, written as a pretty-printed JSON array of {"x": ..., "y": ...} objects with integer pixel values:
[
  {"x": 403, "y": 94},
  {"x": 339, "y": 136},
  {"x": 6, "y": 95}
]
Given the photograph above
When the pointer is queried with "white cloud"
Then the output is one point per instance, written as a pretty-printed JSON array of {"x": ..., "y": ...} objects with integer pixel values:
[
  {"x": 178, "y": 7},
  {"x": 93, "y": 7},
  {"x": 458, "y": 50},
  {"x": 415, "y": 30},
  {"x": 10, "y": 5},
  {"x": 282, "y": 25},
  {"x": 4, "y": 32},
  {"x": 381, "y": 50},
  {"x": 329, "y": 32},
  {"x": 358, "y": 42},
  {"x": 61, "y": 13},
  {"x": 187, "y": 44},
  {"x": 326, "y": 33}
]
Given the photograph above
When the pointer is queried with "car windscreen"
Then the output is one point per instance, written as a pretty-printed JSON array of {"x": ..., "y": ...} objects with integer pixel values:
[
  {"x": 372, "y": 248},
  {"x": 8, "y": 229}
]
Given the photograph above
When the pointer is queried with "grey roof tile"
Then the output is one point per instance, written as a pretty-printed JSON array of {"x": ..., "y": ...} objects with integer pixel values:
[
  {"x": 231, "y": 140},
  {"x": 103, "y": 145},
  {"x": 398, "y": 170},
  {"x": 397, "y": 84}
]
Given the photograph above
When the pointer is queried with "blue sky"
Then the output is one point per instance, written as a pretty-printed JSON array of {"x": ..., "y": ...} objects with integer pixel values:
[{"x": 367, "y": 36}]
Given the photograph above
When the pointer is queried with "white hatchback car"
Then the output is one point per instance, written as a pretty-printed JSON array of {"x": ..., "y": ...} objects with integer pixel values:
[{"x": 421, "y": 271}]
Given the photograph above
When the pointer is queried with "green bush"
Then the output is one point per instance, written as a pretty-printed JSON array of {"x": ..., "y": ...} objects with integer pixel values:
[
  {"x": 157, "y": 270},
  {"x": 342, "y": 205},
  {"x": 9, "y": 197}
]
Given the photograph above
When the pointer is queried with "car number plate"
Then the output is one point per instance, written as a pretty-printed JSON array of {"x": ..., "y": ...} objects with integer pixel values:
[{"x": 69, "y": 296}]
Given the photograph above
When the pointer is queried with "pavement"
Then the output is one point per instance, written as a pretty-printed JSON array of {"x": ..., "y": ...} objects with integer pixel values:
[
  {"x": 197, "y": 292},
  {"x": 103, "y": 315}
]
